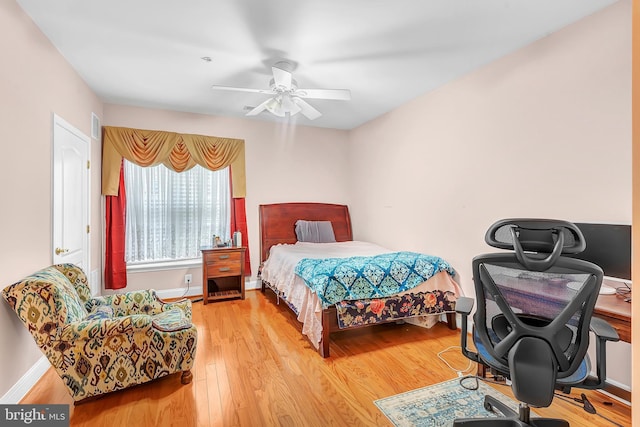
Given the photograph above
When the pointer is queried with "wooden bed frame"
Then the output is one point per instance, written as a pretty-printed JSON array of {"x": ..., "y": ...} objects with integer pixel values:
[{"x": 277, "y": 225}]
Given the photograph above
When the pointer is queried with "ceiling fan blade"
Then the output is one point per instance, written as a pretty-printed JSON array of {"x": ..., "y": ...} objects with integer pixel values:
[
  {"x": 337, "y": 94},
  {"x": 295, "y": 109},
  {"x": 289, "y": 104},
  {"x": 259, "y": 109},
  {"x": 306, "y": 109},
  {"x": 281, "y": 77},
  {"x": 242, "y": 89}
]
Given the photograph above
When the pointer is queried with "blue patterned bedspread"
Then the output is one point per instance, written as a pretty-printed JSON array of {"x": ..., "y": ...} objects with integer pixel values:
[{"x": 362, "y": 277}]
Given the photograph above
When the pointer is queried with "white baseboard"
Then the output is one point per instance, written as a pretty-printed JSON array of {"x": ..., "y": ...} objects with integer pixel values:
[
  {"x": 252, "y": 284},
  {"x": 179, "y": 292},
  {"x": 619, "y": 385},
  {"x": 197, "y": 290},
  {"x": 24, "y": 384}
]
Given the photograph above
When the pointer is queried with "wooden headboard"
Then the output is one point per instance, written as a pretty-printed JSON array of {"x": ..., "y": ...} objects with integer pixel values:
[{"x": 277, "y": 222}]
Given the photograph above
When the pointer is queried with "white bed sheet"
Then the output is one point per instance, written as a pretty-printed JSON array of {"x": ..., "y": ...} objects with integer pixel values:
[{"x": 279, "y": 271}]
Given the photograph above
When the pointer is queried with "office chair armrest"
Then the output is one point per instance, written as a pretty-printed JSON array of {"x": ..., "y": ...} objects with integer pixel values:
[
  {"x": 604, "y": 332},
  {"x": 464, "y": 305},
  {"x": 602, "y": 329}
]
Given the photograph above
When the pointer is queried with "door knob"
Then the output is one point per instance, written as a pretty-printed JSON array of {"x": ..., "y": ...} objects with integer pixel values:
[{"x": 61, "y": 251}]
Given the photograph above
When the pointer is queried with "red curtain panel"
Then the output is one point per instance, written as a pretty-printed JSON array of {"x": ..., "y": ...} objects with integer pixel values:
[
  {"x": 239, "y": 223},
  {"x": 115, "y": 268}
]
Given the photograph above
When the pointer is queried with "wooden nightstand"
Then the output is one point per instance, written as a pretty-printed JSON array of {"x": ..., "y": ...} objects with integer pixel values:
[{"x": 222, "y": 273}]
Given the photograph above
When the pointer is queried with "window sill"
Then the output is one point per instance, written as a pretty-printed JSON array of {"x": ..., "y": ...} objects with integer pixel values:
[{"x": 164, "y": 265}]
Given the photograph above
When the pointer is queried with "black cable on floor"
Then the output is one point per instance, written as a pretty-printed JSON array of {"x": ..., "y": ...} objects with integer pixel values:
[
  {"x": 477, "y": 383},
  {"x": 586, "y": 405}
]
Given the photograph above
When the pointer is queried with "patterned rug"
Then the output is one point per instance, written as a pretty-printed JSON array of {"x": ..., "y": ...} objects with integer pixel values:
[{"x": 440, "y": 404}]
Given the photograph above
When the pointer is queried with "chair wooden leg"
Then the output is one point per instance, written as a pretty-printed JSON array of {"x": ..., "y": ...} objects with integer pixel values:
[{"x": 186, "y": 377}]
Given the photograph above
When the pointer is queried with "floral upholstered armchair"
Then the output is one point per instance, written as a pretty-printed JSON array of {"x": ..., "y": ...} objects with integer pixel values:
[{"x": 98, "y": 345}]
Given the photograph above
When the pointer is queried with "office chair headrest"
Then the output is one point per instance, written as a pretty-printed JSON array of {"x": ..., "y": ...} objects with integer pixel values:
[{"x": 538, "y": 236}]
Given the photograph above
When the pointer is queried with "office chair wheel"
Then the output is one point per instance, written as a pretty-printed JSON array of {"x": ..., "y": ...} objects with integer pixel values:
[{"x": 488, "y": 406}]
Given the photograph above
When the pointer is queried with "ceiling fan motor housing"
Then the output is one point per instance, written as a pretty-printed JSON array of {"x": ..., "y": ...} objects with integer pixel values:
[{"x": 281, "y": 89}]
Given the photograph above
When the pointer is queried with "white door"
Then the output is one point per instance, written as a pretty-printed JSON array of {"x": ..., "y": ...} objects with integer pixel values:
[{"x": 70, "y": 195}]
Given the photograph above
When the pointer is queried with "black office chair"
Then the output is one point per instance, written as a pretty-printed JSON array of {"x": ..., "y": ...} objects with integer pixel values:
[{"x": 530, "y": 325}]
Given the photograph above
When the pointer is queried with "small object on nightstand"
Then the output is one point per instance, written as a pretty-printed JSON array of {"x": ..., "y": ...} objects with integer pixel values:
[{"x": 237, "y": 238}]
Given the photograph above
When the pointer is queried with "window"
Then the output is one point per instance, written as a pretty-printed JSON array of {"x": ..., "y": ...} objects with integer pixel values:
[{"x": 171, "y": 215}]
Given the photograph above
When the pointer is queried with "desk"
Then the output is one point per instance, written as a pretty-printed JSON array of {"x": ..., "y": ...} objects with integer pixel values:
[{"x": 616, "y": 311}]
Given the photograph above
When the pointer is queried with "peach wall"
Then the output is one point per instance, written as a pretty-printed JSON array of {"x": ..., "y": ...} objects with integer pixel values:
[
  {"x": 543, "y": 132},
  {"x": 284, "y": 164},
  {"x": 35, "y": 83}
]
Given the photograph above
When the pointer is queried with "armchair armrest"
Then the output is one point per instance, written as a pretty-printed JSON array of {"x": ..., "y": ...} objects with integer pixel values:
[
  {"x": 183, "y": 304},
  {"x": 128, "y": 303},
  {"x": 102, "y": 328},
  {"x": 138, "y": 302}
]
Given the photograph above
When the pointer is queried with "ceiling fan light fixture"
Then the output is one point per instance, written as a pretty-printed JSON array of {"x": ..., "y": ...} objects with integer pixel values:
[
  {"x": 287, "y": 103},
  {"x": 283, "y": 104},
  {"x": 274, "y": 106}
]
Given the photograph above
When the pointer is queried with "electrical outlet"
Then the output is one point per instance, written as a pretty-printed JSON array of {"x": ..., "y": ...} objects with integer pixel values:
[{"x": 187, "y": 279}]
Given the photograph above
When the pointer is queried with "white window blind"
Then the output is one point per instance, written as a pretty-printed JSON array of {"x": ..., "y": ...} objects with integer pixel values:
[{"x": 170, "y": 215}]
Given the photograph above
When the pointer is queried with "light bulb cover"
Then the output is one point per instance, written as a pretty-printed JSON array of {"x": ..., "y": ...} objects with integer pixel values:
[{"x": 274, "y": 106}]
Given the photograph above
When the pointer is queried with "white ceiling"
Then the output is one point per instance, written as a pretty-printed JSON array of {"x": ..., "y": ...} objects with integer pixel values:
[{"x": 148, "y": 52}]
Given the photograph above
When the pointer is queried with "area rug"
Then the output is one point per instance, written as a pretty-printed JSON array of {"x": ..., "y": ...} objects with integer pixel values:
[{"x": 440, "y": 404}]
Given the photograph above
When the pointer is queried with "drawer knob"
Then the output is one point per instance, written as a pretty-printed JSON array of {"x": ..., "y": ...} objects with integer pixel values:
[
  {"x": 224, "y": 256},
  {"x": 225, "y": 269}
]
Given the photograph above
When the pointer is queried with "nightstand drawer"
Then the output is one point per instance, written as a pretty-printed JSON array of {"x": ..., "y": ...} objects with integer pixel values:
[
  {"x": 223, "y": 268},
  {"x": 213, "y": 258}
]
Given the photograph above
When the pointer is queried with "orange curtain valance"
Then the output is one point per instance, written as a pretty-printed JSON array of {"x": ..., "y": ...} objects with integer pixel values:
[{"x": 177, "y": 151}]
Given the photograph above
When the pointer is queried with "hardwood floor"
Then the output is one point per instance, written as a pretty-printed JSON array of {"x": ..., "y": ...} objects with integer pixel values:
[{"x": 254, "y": 368}]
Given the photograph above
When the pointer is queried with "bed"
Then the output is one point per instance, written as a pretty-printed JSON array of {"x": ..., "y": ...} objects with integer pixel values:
[{"x": 281, "y": 254}]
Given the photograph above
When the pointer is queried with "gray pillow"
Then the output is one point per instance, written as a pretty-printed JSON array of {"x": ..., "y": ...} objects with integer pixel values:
[{"x": 315, "y": 231}]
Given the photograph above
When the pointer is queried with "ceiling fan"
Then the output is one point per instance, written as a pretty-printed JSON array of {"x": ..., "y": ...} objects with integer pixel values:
[{"x": 287, "y": 97}]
